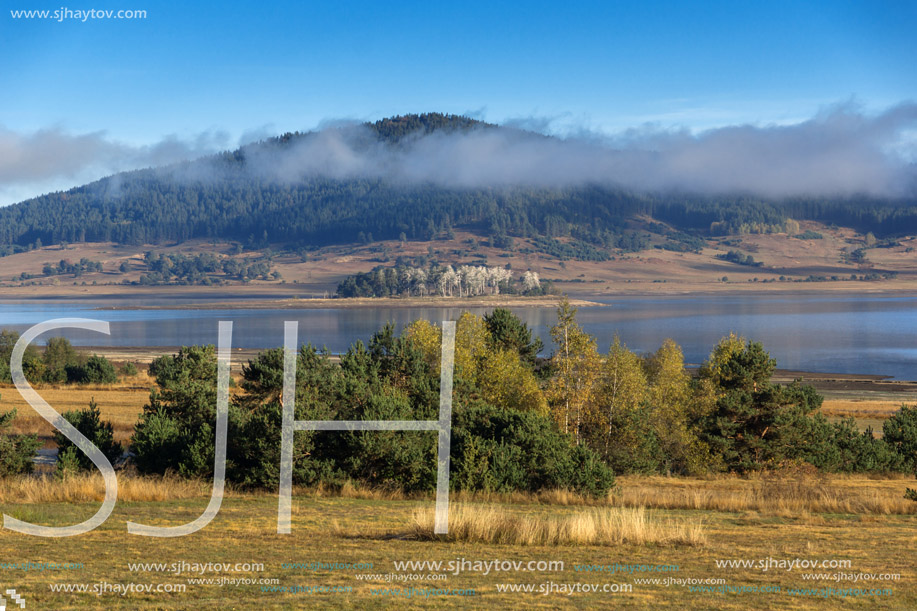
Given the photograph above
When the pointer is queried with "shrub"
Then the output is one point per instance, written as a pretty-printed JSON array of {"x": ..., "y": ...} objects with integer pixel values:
[
  {"x": 507, "y": 331},
  {"x": 900, "y": 432},
  {"x": 177, "y": 428},
  {"x": 58, "y": 356},
  {"x": 97, "y": 370},
  {"x": 156, "y": 443},
  {"x": 99, "y": 432},
  {"x": 32, "y": 364},
  {"x": 503, "y": 450},
  {"x": 634, "y": 446},
  {"x": 254, "y": 443},
  {"x": 840, "y": 447},
  {"x": 16, "y": 451},
  {"x": 128, "y": 370},
  {"x": 68, "y": 463},
  {"x": 254, "y": 451}
]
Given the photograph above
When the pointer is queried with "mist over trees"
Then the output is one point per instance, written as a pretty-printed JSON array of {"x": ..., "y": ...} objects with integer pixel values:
[{"x": 258, "y": 196}]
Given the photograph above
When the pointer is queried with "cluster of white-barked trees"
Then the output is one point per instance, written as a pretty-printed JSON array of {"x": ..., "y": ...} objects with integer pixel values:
[{"x": 464, "y": 281}]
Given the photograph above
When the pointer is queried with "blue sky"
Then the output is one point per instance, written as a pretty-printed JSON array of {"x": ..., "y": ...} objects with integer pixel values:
[{"x": 207, "y": 75}]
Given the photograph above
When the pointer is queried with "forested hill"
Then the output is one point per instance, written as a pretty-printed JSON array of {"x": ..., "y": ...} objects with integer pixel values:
[{"x": 246, "y": 196}]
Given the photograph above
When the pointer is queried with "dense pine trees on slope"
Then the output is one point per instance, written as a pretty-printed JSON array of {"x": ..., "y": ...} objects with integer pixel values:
[{"x": 224, "y": 197}]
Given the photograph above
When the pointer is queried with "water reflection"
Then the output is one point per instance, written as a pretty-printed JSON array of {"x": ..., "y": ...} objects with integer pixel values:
[{"x": 845, "y": 334}]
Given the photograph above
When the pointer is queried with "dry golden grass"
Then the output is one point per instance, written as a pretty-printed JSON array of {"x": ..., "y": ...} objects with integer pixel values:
[
  {"x": 121, "y": 404},
  {"x": 245, "y": 531},
  {"x": 776, "y": 494},
  {"x": 629, "y": 273},
  {"x": 350, "y": 490},
  {"x": 862, "y": 408},
  {"x": 85, "y": 488},
  {"x": 771, "y": 494},
  {"x": 600, "y": 526}
]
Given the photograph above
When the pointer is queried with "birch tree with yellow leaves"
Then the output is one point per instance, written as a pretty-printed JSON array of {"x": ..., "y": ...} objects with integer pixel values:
[
  {"x": 623, "y": 390},
  {"x": 577, "y": 366},
  {"x": 501, "y": 376}
]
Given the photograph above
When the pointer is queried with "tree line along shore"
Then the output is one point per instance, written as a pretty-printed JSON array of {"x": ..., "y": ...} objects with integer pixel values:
[{"x": 520, "y": 423}]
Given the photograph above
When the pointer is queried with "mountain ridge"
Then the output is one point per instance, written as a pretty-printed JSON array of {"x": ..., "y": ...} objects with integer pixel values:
[{"x": 237, "y": 196}]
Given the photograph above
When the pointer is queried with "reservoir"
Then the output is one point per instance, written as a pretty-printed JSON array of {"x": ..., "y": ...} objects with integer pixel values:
[{"x": 863, "y": 334}]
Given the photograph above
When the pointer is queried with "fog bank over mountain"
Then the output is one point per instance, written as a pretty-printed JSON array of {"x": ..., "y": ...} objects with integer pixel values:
[{"x": 841, "y": 151}]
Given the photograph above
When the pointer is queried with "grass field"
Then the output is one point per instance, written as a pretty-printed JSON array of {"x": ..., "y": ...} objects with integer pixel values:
[
  {"x": 859, "y": 525},
  {"x": 376, "y": 532}
]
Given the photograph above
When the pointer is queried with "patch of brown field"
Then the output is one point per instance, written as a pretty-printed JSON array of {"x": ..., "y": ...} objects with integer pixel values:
[
  {"x": 860, "y": 408},
  {"x": 599, "y": 526},
  {"x": 89, "y": 487},
  {"x": 771, "y": 494},
  {"x": 111, "y": 255},
  {"x": 650, "y": 272},
  {"x": 121, "y": 404},
  {"x": 351, "y": 490}
]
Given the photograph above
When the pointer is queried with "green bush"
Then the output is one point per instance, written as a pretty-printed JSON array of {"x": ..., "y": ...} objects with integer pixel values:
[
  {"x": 99, "y": 432},
  {"x": 128, "y": 370},
  {"x": 16, "y": 451},
  {"x": 507, "y": 331},
  {"x": 503, "y": 450},
  {"x": 900, "y": 432},
  {"x": 32, "y": 365},
  {"x": 404, "y": 460},
  {"x": 96, "y": 370},
  {"x": 492, "y": 449},
  {"x": 176, "y": 431},
  {"x": 68, "y": 463},
  {"x": 755, "y": 423},
  {"x": 840, "y": 447},
  {"x": 156, "y": 443},
  {"x": 634, "y": 445},
  {"x": 58, "y": 356},
  {"x": 254, "y": 441},
  {"x": 254, "y": 452}
]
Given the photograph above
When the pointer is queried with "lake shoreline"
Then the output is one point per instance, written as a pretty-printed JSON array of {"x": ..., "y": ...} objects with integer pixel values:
[
  {"x": 830, "y": 381},
  {"x": 371, "y": 302},
  {"x": 820, "y": 333},
  {"x": 304, "y": 292}
]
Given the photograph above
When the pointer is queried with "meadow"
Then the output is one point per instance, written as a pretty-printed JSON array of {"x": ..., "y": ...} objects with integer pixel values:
[
  {"x": 793, "y": 538},
  {"x": 345, "y": 543}
]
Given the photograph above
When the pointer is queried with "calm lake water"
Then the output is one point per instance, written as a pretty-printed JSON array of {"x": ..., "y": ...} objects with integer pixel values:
[{"x": 841, "y": 334}]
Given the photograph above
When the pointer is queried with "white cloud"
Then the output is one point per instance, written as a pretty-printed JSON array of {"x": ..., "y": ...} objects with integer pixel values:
[{"x": 840, "y": 151}]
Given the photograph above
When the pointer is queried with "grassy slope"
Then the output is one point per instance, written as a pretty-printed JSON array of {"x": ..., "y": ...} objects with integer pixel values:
[{"x": 649, "y": 271}]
